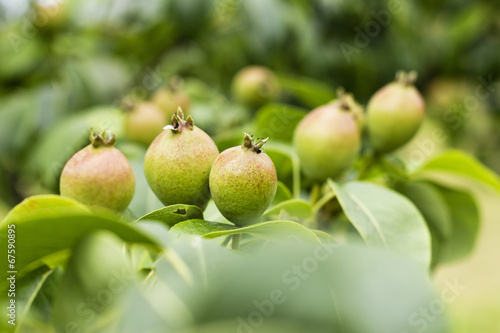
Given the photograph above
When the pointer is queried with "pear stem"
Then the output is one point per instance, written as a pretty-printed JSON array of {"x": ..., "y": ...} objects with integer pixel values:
[
  {"x": 178, "y": 122},
  {"x": 254, "y": 145},
  {"x": 235, "y": 243},
  {"x": 406, "y": 78},
  {"x": 105, "y": 138}
]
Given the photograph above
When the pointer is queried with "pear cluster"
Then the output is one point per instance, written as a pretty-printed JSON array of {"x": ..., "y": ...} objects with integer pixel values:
[{"x": 183, "y": 166}]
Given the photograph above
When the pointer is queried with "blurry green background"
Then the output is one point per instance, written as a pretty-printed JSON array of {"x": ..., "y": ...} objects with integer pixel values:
[{"x": 67, "y": 67}]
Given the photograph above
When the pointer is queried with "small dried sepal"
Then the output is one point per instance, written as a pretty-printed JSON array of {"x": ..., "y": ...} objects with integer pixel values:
[
  {"x": 254, "y": 145},
  {"x": 105, "y": 138},
  {"x": 406, "y": 78},
  {"x": 179, "y": 123},
  {"x": 347, "y": 101}
]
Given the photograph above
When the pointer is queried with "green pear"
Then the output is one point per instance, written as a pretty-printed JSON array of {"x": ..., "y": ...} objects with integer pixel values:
[
  {"x": 328, "y": 138},
  {"x": 178, "y": 162},
  {"x": 99, "y": 175},
  {"x": 243, "y": 182},
  {"x": 395, "y": 113}
]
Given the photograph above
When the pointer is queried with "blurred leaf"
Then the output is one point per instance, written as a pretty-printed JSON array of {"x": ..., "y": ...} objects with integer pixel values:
[
  {"x": 46, "y": 237},
  {"x": 278, "y": 121},
  {"x": 264, "y": 23},
  {"x": 231, "y": 137},
  {"x": 141, "y": 258},
  {"x": 282, "y": 194},
  {"x": 26, "y": 291},
  {"x": 43, "y": 205},
  {"x": 98, "y": 270},
  {"x": 323, "y": 236},
  {"x": 465, "y": 225},
  {"x": 294, "y": 207},
  {"x": 287, "y": 165},
  {"x": 458, "y": 164},
  {"x": 105, "y": 78},
  {"x": 174, "y": 214},
  {"x": 199, "y": 227},
  {"x": 309, "y": 288},
  {"x": 435, "y": 211},
  {"x": 310, "y": 92},
  {"x": 273, "y": 230},
  {"x": 467, "y": 24},
  {"x": 155, "y": 230},
  {"x": 431, "y": 204},
  {"x": 18, "y": 121},
  {"x": 20, "y": 50},
  {"x": 386, "y": 219}
]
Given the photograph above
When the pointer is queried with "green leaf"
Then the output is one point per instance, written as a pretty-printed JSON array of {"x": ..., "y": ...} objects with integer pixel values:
[
  {"x": 282, "y": 194},
  {"x": 174, "y": 214},
  {"x": 385, "y": 218},
  {"x": 310, "y": 92},
  {"x": 323, "y": 201},
  {"x": 231, "y": 138},
  {"x": 323, "y": 236},
  {"x": 26, "y": 291},
  {"x": 46, "y": 238},
  {"x": 282, "y": 153},
  {"x": 431, "y": 204},
  {"x": 98, "y": 269},
  {"x": 466, "y": 220},
  {"x": 294, "y": 207},
  {"x": 278, "y": 121},
  {"x": 272, "y": 230},
  {"x": 43, "y": 205},
  {"x": 199, "y": 227},
  {"x": 435, "y": 211},
  {"x": 457, "y": 164}
]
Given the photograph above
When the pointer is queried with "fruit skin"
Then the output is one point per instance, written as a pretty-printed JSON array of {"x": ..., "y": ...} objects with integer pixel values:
[
  {"x": 243, "y": 182},
  {"x": 328, "y": 139},
  {"x": 255, "y": 86},
  {"x": 394, "y": 114},
  {"x": 99, "y": 175},
  {"x": 144, "y": 122},
  {"x": 169, "y": 98},
  {"x": 178, "y": 162}
]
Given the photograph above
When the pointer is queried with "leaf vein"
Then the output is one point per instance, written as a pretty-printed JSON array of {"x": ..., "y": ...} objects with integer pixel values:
[{"x": 370, "y": 217}]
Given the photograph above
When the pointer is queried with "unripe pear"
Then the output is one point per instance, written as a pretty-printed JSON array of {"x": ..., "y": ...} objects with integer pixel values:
[
  {"x": 255, "y": 86},
  {"x": 178, "y": 162},
  {"x": 143, "y": 122},
  {"x": 170, "y": 97},
  {"x": 99, "y": 175},
  {"x": 243, "y": 182},
  {"x": 328, "y": 139},
  {"x": 395, "y": 113}
]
